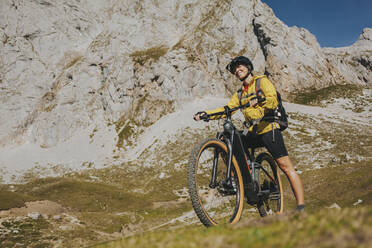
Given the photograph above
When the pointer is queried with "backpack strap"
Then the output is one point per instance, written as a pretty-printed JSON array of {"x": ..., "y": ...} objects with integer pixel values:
[
  {"x": 259, "y": 92},
  {"x": 240, "y": 96},
  {"x": 258, "y": 84}
]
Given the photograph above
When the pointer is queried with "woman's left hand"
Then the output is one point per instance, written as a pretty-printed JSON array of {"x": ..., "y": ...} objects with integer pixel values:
[{"x": 253, "y": 102}]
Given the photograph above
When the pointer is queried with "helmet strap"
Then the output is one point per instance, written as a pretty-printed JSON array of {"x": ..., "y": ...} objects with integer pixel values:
[
  {"x": 244, "y": 78},
  {"x": 249, "y": 73}
]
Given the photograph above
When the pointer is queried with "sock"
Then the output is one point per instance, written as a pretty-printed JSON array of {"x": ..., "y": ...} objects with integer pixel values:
[{"x": 300, "y": 207}]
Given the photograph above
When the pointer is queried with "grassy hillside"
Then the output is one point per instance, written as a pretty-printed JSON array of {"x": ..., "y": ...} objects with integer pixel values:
[
  {"x": 105, "y": 212},
  {"x": 350, "y": 227}
]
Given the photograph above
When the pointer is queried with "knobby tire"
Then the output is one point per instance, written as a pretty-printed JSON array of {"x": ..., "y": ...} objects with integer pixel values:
[
  {"x": 195, "y": 196},
  {"x": 272, "y": 182}
]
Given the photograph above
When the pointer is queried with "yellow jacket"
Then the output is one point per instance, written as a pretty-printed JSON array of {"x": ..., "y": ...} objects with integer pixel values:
[{"x": 257, "y": 112}]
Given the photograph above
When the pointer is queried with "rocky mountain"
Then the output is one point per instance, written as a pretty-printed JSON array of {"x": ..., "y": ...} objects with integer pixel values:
[
  {"x": 354, "y": 62},
  {"x": 70, "y": 70}
]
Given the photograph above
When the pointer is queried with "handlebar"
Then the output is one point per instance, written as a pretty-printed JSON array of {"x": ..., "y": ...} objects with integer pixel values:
[{"x": 227, "y": 111}]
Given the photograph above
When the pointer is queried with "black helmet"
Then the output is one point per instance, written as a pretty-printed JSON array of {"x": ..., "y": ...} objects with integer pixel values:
[{"x": 240, "y": 60}]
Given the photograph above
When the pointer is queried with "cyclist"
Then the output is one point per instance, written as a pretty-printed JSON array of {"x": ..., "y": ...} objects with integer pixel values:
[{"x": 261, "y": 132}]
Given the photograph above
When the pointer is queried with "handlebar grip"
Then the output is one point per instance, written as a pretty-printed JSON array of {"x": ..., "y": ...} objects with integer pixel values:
[{"x": 204, "y": 117}]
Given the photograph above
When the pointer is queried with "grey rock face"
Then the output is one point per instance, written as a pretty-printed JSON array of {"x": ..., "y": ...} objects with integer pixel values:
[
  {"x": 294, "y": 59},
  {"x": 354, "y": 62},
  {"x": 69, "y": 66}
]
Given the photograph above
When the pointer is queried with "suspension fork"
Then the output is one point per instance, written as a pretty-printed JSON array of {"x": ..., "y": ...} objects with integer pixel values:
[
  {"x": 230, "y": 147},
  {"x": 213, "y": 182}
]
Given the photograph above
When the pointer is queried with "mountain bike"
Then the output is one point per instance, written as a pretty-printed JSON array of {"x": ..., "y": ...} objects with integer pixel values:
[{"x": 223, "y": 173}]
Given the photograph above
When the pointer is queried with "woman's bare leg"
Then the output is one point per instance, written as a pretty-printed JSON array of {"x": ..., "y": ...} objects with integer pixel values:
[{"x": 286, "y": 166}]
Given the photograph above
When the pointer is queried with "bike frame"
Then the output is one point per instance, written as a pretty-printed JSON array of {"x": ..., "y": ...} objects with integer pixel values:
[{"x": 231, "y": 136}]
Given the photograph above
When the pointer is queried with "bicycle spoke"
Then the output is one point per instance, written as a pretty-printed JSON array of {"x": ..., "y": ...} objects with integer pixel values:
[
  {"x": 270, "y": 185},
  {"x": 268, "y": 174}
]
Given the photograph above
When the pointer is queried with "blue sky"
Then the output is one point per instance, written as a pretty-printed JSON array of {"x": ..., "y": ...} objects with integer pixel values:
[{"x": 335, "y": 23}]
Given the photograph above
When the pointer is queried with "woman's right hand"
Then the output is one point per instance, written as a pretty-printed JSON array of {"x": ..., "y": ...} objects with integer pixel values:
[{"x": 199, "y": 115}]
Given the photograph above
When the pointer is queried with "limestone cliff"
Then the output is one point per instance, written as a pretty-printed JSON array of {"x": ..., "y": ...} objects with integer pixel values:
[{"x": 71, "y": 66}]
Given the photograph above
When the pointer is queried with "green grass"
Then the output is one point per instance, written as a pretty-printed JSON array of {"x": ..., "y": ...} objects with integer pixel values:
[
  {"x": 24, "y": 233},
  {"x": 125, "y": 134},
  {"x": 97, "y": 204},
  {"x": 83, "y": 196},
  {"x": 153, "y": 53},
  {"x": 341, "y": 184},
  {"x": 326, "y": 228},
  {"x": 9, "y": 199}
]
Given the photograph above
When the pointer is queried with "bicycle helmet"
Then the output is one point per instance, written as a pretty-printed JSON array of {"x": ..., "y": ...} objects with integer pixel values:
[{"x": 240, "y": 60}]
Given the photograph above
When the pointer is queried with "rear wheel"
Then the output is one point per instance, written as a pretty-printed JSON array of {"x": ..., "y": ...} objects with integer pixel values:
[
  {"x": 219, "y": 203},
  {"x": 270, "y": 185}
]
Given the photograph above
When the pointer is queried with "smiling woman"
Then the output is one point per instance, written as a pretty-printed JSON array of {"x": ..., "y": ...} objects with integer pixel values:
[{"x": 334, "y": 23}]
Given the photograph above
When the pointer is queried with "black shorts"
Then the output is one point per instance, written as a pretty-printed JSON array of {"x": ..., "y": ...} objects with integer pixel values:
[{"x": 273, "y": 142}]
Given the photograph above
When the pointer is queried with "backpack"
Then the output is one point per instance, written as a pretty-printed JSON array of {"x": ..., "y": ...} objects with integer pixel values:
[{"x": 278, "y": 115}]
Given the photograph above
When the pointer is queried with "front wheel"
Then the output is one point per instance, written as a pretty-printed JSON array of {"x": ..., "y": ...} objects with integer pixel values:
[
  {"x": 220, "y": 201},
  {"x": 267, "y": 175}
]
